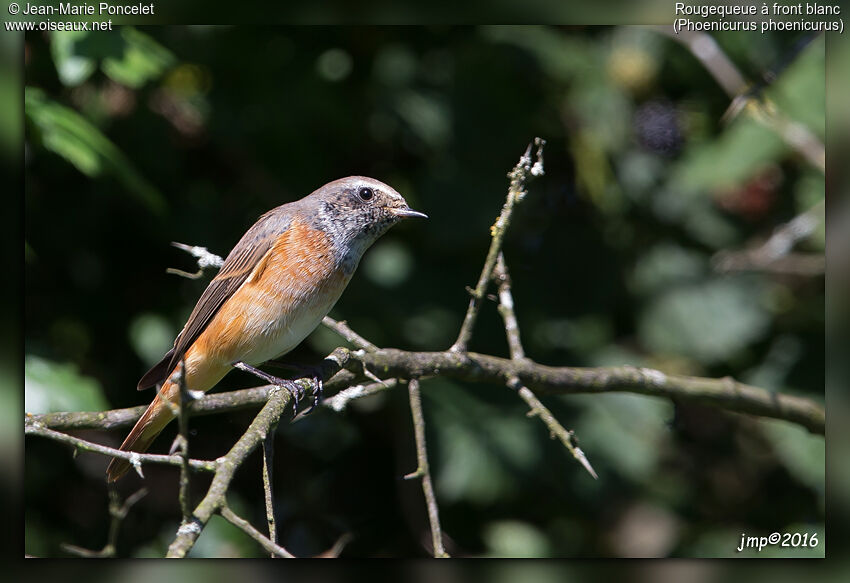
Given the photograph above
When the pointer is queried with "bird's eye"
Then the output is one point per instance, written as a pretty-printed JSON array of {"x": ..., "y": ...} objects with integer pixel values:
[{"x": 366, "y": 193}]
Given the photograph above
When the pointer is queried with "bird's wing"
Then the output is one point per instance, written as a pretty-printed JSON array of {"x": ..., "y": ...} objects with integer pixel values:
[{"x": 237, "y": 267}]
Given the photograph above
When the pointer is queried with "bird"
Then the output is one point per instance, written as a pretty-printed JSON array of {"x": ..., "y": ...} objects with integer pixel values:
[{"x": 283, "y": 276}]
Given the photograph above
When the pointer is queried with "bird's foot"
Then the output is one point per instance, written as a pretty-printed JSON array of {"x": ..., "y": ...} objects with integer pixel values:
[
  {"x": 314, "y": 373},
  {"x": 295, "y": 389}
]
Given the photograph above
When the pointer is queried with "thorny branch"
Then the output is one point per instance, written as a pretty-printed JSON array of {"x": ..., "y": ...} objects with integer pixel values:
[
  {"x": 536, "y": 406},
  {"x": 520, "y": 176},
  {"x": 725, "y": 393}
]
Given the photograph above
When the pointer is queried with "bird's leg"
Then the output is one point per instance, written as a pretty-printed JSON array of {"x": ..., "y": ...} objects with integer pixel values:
[
  {"x": 314, "y": 373},
  {"x": 296, "y": 390}
]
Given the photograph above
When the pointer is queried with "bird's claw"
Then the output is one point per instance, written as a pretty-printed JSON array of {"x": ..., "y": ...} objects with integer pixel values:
[
  {"x": 297, "y": 392},
  {"x": 318, "y": 392}
]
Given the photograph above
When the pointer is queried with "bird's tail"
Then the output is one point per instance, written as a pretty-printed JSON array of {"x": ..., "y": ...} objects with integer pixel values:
[{"x": 149, "y": 425}]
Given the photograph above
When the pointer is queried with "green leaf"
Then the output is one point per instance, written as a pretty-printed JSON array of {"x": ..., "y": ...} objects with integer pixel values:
[
  {"x": 709, "y": 321},
  {"x": 72, "y": 66},
  {"x": 626, "y": 431},
  {"x": 743, "y": 148},
  {"x": 800, "y": 91},
  {"x": 803, "y": 453},
  {"x": 68, "y": 134},
  {"x": 141, "y": 60},
  {"x": 51, "y": 386},
  {"x": 126, "y": 56},
  {"x": 481, "y": 449}
]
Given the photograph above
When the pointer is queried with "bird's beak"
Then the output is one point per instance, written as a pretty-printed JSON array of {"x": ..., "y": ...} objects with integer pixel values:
[{"x": 407, "y": 212}]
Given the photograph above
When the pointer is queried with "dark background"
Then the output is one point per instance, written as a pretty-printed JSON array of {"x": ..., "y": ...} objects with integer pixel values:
[{"x": 152, "y": 135}]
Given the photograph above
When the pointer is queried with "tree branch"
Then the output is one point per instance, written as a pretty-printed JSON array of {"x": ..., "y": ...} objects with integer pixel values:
[
  {"x": 423, "y": 471},
  {"x": 35, "y": 427},
  {"x": 341, "y": 328},
  {"x": 272, "y": 547},
  {"x": 725, "y": 393},
  {"x": 520, "y": 176},
  {"x": 181, "y": 442}
]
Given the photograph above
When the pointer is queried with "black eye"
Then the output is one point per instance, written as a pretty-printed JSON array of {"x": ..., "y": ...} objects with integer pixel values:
[{"x": 366, "y": 193}]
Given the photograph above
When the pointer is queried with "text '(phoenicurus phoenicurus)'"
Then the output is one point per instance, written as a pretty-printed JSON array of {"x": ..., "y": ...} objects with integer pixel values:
[{"x": 279, "y": 281}]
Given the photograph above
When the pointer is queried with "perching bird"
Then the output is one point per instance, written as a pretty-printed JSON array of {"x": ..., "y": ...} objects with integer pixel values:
[{"x": 279, "y": 281}]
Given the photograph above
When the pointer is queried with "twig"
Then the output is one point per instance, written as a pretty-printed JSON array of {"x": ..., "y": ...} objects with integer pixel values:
[
  {"x": 724, "y": 71},
  {"x": 506, "y": 308},
  {"x": 797, "y": 264},
  {"x": 268, "y": 462},
  {"x": 205, "y": 259},
  {"x": 272, "y": 547},
  {"x": 117, "y": 514},
  {"x": 181, "y": 443},
  {"x": 567, "y": 438},
  {"x": 342, "y": 328},
  {"x": 35, "y": 428},
  {"x": 341, "y": 400},
  {"x": 337, "y": 547},
  {"x": 774, "y": 254},
  {"x": 537, "y": 408},
  {"x": 520, "y": 176},
  {"x": 422, "y": 469}
]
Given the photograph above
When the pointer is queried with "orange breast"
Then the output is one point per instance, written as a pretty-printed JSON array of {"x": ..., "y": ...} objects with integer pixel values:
[{"x": 286, "y": 296}]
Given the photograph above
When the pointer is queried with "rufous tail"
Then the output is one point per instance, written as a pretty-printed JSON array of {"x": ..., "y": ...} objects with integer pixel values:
[{"x": 149, "y": 425}]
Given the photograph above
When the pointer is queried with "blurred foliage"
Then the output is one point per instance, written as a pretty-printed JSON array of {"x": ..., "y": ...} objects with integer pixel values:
[
  {"x": 136, "y": 139},
  {"x": 53, "y": 387}
]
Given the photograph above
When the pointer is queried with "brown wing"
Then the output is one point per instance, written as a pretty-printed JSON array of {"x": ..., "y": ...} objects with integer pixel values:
[{"x": 237, "y": 267}]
